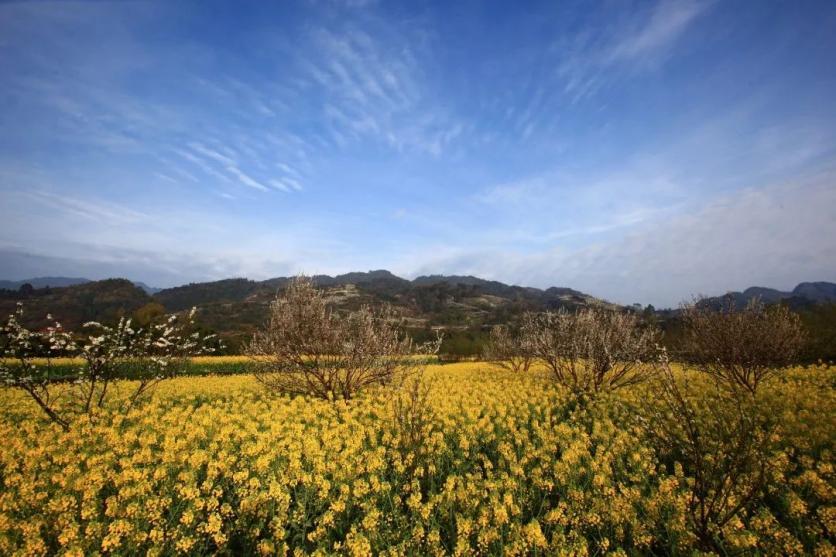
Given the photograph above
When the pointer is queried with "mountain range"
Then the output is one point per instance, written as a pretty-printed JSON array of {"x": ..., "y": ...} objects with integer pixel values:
[
  {"x": 58, "y": 282},
  {"x": 236, "y": 307},
  {"x": 804, "y": 294},
  {"x": 42, "y": 282},
  {"x": 463, "y": 306}
]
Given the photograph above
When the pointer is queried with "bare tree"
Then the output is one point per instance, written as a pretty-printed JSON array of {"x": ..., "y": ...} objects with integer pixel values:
[
  {"x": 308, "y": 349},
  {"x": 508, "y": 350},
  {"x": 591, "y": 350},
  {"x": 742, "y": 347}
]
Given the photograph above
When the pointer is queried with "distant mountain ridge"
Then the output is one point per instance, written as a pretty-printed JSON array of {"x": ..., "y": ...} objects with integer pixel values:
[
  {"x": 816, "y": 291},
  {"x": 465, "y": 307},
  {"x": 236, "y": 307},
  {"x": 60, "y": 282},
  {"x": 148, "y": 289},
  {"x": 72, "y": 306},
  {"x": 235, "y": 288},
  {"x": 43, "y": 282},
  {"x": 803, "y": 294}
]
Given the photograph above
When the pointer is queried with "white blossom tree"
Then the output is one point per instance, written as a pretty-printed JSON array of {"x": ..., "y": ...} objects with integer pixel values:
[{"x": 146, "y": 356}]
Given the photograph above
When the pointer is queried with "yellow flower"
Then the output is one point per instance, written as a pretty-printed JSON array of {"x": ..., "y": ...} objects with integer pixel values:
[{"x": 207, "y": 456}]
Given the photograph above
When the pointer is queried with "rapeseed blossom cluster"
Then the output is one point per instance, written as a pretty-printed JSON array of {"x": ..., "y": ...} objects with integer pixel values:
[{"x": 503, "y": 463}]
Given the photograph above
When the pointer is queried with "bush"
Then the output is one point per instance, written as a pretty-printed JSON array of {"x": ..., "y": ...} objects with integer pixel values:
[{"x": 307, "y": 349}]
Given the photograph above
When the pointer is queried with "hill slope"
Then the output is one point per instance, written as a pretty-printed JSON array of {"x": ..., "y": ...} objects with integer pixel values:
[
  {"x": 236, "y": 307},
  {"x": 463, "y": 306},
  {"x": 72, "y": 306}
]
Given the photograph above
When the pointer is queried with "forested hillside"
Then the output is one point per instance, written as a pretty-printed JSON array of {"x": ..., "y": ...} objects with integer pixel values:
[{"x": 464, "y": 307}]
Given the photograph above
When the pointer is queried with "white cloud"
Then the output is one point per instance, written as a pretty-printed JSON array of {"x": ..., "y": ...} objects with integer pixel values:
[
  {"x": 286, "y": 184},
  {"x": 279, "y": 185},
  {"x": 775, "y": 236},
  {"x": 643, "y": 41},
  {"x": 212, "y": 154},
  {"x": 373, "y": 87},
  {"x": 245, "y": 178},
  {"x": 111, "y": 213},
  {"x": 155, "y": 268},
  {"x": 669, "y": 20}
]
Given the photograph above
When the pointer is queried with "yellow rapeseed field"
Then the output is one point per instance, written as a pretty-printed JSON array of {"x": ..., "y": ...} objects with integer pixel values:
[
  {"x": 214, "y": 360},
  {"x": 505, "y": 464}
]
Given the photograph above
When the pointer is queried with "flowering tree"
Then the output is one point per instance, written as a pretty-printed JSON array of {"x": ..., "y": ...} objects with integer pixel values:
[
  {"x": 145, "y": 355},
  {"x": 742, "y": 347},
  {"x": 19, "y": 347},
  {"x": 592, "y": 350},
  {"x": 509, "y": 350},
  {"x": 724, "y": 439},
  {"x": 308, "y": 349}
]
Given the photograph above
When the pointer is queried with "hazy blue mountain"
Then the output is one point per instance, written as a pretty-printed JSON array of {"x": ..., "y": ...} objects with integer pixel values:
[
  {"x": 42, "y": 282},
  {"x": 59, "y": 282},
  {"x": 148, "y": 289},
  {"x": 816, "y": 291},
  {"x": 805, "y": 293}
]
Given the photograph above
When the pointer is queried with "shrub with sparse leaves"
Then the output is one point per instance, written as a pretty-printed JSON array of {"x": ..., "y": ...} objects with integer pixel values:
[{"x": 146, "y": 355}]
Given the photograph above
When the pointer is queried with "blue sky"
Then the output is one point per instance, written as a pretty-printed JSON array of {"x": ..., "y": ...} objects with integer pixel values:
[{"x": 639, "y": 151}]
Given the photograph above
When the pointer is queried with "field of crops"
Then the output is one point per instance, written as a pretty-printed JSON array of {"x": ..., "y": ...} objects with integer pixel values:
[
  {"x": 198, "y": 365},
  {"x": 490, "y": 463}
]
